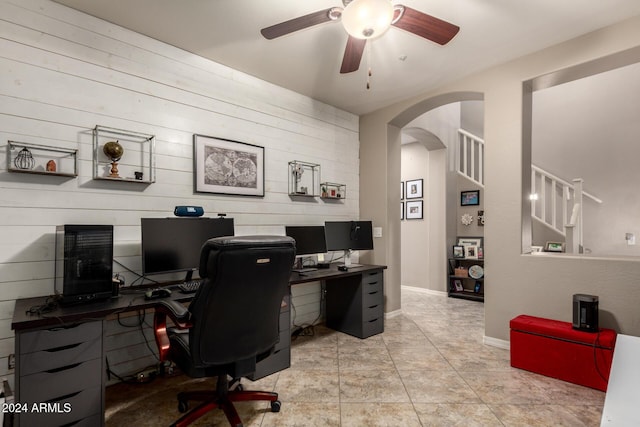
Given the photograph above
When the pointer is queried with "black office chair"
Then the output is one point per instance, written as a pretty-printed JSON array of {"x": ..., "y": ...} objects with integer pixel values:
[{"x": 231, "y": 323}]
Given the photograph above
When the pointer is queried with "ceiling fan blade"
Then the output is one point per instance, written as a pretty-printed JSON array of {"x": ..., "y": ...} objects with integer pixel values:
[
  {"x": 297, "y": 24},
  {"x": 352, "y": 55},
  {"x": 427, "y": 26}
]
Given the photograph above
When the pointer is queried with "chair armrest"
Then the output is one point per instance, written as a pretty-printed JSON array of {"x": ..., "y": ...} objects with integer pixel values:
[{"x": 178, "y": 314}]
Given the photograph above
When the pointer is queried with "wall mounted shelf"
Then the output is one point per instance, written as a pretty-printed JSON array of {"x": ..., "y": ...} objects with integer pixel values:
[
  {"x": 137, "y": 161},
  {"x": 41, "y": 160},
  {"x": 333, "y": 191},
  {"x": 304, "y": 179}
]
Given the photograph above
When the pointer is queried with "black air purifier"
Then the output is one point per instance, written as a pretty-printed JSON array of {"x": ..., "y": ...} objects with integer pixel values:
[
  {"x": 585, "y": 312},
  {"x": 84, "y": 263}
]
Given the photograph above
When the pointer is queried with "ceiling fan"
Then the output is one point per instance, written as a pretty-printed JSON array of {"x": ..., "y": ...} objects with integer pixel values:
[{"x": 368, "y": 19}]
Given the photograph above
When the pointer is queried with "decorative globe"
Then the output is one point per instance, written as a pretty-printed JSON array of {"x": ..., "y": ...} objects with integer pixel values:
[{"x": 113, "y": 150}]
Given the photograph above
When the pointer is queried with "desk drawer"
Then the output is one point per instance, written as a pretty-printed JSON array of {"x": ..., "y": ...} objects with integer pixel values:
[
  {"x": 372, "y": 327},
  {"x": 372, "y": 312},
  {"x": 370, "y": 298},
  {"x": 372, "y": 277},
  {"x": 45, "y": 360},
  {"x": 68, "y": 410},
  {"x": 47, "y": 339},
  {"x": 53, "y": 384}
]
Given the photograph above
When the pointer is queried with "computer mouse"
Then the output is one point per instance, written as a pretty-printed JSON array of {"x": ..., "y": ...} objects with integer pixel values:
[{"x": 157, "y": 293}]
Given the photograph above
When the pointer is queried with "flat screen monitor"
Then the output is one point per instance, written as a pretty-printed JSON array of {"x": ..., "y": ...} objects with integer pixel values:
[
  {"x": 174, "y": 244},
  {"x": 349, "y": 235},
  {"x": 309, "y": 239}
]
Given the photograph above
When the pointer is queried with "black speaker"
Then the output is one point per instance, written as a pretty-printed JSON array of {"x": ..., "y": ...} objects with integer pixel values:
[
  {"x": 585, "y": 312},
  {"x": 188, "y": 211},
  {"x": 84, "y": 263}
]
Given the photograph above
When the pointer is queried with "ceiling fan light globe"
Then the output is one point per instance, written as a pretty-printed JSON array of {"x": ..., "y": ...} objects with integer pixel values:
[{"x": 367, "y": 19}]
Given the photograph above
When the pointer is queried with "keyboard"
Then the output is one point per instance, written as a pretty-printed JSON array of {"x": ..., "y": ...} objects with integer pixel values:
[
  {"x": 304, "y": 270},
  {"x": 190, "y": 287}
]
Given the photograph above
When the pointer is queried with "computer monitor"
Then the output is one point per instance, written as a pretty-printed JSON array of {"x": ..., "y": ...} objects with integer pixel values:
[
  {"x": 348, "y": 236},
  {"x": 309, "y": 239},
  {"x": 174, "y": 244}
]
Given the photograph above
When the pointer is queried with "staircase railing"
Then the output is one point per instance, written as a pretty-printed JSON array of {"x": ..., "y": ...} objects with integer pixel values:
[
  {"x": 470, "y": 157},
  {"x": 559, "y": 205}
]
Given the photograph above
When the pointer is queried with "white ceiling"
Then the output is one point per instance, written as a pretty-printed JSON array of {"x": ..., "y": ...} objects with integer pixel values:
[{"x": 308, "y": 61}]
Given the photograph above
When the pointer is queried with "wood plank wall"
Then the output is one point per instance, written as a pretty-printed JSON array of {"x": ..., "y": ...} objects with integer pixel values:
[{"x": 63, "y": 72}]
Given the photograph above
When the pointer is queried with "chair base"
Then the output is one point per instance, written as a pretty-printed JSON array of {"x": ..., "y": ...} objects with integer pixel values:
[{"x": 223, "y": 399}]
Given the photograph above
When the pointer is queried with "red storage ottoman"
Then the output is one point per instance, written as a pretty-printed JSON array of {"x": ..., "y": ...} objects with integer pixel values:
[{"x": 553, "y": 348}]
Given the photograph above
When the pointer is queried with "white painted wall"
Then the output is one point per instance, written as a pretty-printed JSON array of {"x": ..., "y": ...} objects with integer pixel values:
[{"x": 63, "y": 72}]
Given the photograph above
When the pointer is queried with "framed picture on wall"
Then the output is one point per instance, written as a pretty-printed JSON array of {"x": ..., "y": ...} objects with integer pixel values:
[
  {"x": 470, "y": 198},
  {"x": 414, "y": 209},
  {"x": 414, "y": 189},
  {"x": 224, "y": 166},
  {"x": 465, "y": 241},
  {"x": 401, "y": 210},
  {"x": 401, "y": 190}
]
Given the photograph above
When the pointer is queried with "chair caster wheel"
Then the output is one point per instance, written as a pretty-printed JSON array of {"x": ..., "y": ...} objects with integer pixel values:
[
  {"x": 275, "y": 406},
  {"x": 182, "y": 406}
]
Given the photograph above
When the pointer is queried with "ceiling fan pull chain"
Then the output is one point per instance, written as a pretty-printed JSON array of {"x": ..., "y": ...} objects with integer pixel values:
[{"x": 369, "y": 65}]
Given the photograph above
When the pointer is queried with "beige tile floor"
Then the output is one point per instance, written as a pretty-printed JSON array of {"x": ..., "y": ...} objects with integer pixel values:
[{"x": 429, "y": 368}]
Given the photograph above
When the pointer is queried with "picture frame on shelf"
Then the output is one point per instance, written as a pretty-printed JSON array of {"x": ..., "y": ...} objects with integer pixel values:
[
  {"x": 471, "y": 251},
  {"x": 414, "y": 209},
  {"x": 554, "y": 247},
  {"x": 457, "y": 285},
  {"x": 414, "y": 189},
  {"x": 470, "y": 198},
  {"x": 458, "y": 251},
  {"x": 470, "y": 240},
  {"x": 480, "y": 252},
  {"x": 224, "y": 166}
]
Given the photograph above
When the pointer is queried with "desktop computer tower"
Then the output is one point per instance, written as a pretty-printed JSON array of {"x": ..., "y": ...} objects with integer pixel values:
[
  {"x": 84, "y": 263},
  {"x": 585, "y": 312}
]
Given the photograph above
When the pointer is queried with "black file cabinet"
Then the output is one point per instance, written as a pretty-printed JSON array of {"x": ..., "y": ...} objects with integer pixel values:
[{"x": 355, "y": 304}]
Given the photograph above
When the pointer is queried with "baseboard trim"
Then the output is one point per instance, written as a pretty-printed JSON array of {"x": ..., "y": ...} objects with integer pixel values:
[
  {"x": 392, "y": 314},
  {"x": 495, "y": 342},
  {"x": 423, "y": 290}
]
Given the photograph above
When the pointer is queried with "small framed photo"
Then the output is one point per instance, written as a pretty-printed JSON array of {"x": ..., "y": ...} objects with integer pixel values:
[
  {"x": 480, "y": 252},
  {"x": 401, "y": 190},
  {"x": 401, "y": 210},
  {"x": 458, "y": 251},
  {"x": 414, "y": 209},
  {"x": 470, "y": 198},
  {"x": 414, "y": 189},
  {"x": 536, "y": 249},
  {"x": 474, "y": 241},
  {"x": 457, "y": 285},
  {"x": 471, "y": 251},
  {"x": 554, "y": 247}
]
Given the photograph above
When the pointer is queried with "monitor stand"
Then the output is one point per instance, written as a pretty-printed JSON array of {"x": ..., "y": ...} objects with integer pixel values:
[
  {"x": 299, "y": 268},
  {"x": 347, "y": 259}
]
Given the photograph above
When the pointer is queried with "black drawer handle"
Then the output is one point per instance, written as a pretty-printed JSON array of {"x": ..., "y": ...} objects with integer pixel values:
[
  {"x": 65, "y": 397},
  {"x": 373, "y": 293},
  {"x": 373, "y": 283},
  {"x": 62, "y": 348},
  {"x": 64, "y": 368},
  {"x": 373, "y": 306},
  {"x": 374, "y": 320}
]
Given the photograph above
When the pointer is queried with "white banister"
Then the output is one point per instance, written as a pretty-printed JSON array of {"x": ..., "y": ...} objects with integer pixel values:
[{"x": 470, "y": 157}]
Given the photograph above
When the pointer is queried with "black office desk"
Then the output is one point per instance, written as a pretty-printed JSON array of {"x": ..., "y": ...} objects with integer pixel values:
[{"x": 60, "y": 355}]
